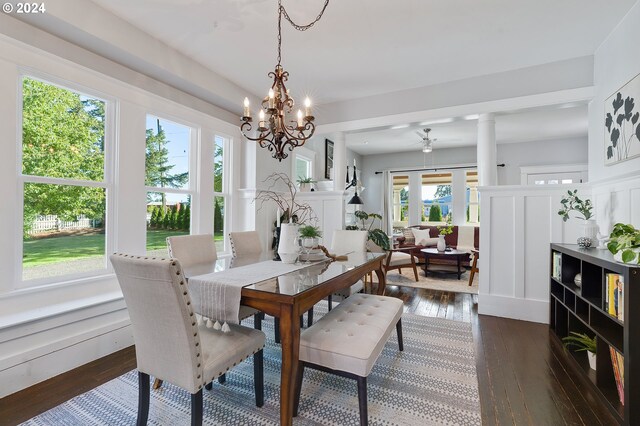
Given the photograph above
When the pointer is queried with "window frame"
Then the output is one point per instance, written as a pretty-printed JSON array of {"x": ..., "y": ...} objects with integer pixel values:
[
  {"x": 109, "y": 167},
  {"x": 226, "y": 187},
  {"x": 305, "y": 154}
]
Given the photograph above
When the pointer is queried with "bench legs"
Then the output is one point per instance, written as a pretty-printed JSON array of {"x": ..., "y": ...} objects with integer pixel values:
[
  {"x": 362, "y": 400},
  {"x": 399, "y": 332}
]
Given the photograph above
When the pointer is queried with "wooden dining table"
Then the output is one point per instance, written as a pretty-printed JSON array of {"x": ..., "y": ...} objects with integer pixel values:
[{"x": 290, "y": 295}]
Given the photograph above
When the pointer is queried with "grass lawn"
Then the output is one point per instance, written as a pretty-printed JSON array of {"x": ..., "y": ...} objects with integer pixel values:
[{"x": 61, "y": 249}]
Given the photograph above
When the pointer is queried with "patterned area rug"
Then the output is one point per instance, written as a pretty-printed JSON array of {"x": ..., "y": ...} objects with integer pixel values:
[
  {"x": 433, "y": 382},
  {"x": 442, "y": 282}
]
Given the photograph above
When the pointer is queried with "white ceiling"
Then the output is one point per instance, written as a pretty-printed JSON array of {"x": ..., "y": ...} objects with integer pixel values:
[
  {"x": 367, "y": 47},
  {"x": 552, "y": 122}
]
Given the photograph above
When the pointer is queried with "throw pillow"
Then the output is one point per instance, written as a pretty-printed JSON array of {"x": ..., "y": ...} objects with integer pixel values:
[
  {"x": 420, "y": 234},
  {"x": 428, "y": 242},
  {"x": 409, "y": 239}
]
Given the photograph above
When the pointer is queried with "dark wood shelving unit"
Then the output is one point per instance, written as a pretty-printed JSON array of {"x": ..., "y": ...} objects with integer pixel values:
[{"x": 582, "y": 309}]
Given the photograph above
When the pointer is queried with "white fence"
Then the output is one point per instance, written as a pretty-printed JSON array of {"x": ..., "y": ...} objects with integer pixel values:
[{"x": 53, "y": 223}]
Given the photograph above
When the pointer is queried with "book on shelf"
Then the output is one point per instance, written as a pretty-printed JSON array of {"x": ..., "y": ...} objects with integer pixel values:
[
  {"x": 557, "y": 266},
  {"x": 617, "y": 361},
  {"x": 614, "y": 295}
]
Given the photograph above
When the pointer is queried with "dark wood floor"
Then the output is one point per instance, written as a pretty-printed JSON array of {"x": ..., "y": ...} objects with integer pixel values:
[{"x": 520, "y": 375}]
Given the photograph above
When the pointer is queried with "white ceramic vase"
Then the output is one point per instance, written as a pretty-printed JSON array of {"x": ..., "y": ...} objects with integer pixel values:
[
  {"x": 592, "y": 360},
  {"x": 288, "y": 247},
  {"x": 590, "y": 230},
  {"x": 442, "y": 245}
]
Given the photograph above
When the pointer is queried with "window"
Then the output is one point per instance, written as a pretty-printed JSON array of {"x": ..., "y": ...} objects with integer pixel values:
[
  {"x": 400, "y": 201},
  {"x": 303, "y": 168},
  {"x": 168, "y": 182},
  {"x": 473, "y": 208},
  {"x": 65, "y": 182},
  {"x": 220, "y": 191},
  {"x": 303, "y": 163},
  {"x": 436, "y": 198}
]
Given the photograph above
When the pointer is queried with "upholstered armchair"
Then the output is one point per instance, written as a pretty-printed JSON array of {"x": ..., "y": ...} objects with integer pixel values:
[{"x": 169, "y": 342}]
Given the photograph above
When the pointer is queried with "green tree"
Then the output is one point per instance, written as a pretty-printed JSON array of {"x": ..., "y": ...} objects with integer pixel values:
[
  {"x": 62, "y": 136},
  {"x": 158, "y": 169},
  {"x": 218, "y": 218},
  {"x": 442, "y": 191},
  {"x": 186, "y": 218},
  {"x": 435, "y": 213}
]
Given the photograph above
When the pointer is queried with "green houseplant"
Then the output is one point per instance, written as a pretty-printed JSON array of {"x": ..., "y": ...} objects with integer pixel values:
[
  {"x": 375, "y": 235},
  {"x": 582, "y": 342},
  {"x": 305, "y": 183},
  {"x": 625, "y": 243}
]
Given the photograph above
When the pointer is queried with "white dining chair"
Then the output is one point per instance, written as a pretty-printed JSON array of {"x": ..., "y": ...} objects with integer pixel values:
[
  {"x": 345, "y": 242},
  {"x": 169, "y": 342},
  {"x": 245, "y": 243}
]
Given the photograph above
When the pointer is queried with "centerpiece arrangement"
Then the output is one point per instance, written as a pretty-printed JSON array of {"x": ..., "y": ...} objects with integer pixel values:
[
  {"x": 571, "y": 202},
  {"x": 282, "y": 191},
  {"x": 442, "y": 232},
  {"x": 309, "y": 239}
]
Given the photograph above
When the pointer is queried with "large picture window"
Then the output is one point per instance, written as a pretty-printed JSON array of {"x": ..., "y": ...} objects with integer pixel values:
[
  {"x": 436, "y": 198},
  {"x": 220, "y": 192},
  {"x": 65, "y": 181},
  {"x": 168, "y": 181}
]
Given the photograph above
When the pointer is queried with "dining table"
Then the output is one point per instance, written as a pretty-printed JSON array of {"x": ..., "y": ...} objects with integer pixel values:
[{"x": 291, "y": 294}]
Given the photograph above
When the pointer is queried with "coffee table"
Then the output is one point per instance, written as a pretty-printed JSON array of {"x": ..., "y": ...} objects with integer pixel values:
[{"x": 432, "y": 253}]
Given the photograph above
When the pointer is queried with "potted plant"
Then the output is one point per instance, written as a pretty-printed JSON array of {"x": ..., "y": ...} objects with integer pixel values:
[
  {"x": 442, "y": 232},
  {"x": 293, "y": 213},
  {"x": 625, "y": 243},
  {"x": 375, "y": 235},
  {"x": 582, "y": 342},
  {"x": 305, "y": 183},
  {"x": 310, "y": 236},
  {"x": 571, "y": 202}
]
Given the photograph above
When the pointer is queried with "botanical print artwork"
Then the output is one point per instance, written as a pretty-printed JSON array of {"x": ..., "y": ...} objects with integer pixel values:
[{"x": 622, "y": 140}]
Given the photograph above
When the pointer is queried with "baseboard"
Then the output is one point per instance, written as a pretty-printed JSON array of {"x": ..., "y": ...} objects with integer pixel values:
[
  {"x": 513, "y": 307},
  {"x": 38, "y": 369}
]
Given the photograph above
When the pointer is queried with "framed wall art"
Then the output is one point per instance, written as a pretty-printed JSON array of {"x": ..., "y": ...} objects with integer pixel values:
[
  {"x": 622, "y": 124},
  {"x": 328, "y": 158}
]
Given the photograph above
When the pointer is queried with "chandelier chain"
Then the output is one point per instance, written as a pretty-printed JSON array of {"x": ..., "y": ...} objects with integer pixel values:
[{"x": 282, "y": 11}]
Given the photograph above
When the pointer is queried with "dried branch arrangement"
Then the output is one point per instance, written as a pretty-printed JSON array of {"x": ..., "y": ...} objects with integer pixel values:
[{"x": 294, "y": 212}]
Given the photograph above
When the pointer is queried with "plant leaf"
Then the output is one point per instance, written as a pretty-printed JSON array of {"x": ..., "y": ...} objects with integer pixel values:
[{"x": 628, "y": 256}]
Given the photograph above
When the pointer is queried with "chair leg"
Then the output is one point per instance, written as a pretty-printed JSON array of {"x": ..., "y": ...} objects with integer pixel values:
[
  {"x": 196, "y": 408},
  {"x": 276, "y": 329},
  {"x": 310, "y": 317},
  {"x": 399, "y": 332},
  {"x": 209, "y": 386},
  {"x": 257, "y": 320},
  {"x": 329, "y": 301},
  {"x": 362, "y": 401},
  {"x": 144, "y": 393},
  {"x": 302, "y": 321},
  {"x": 222, "y": 379},
  {"x": 298, "y": 389},
  {"x": 157, "y": 384},
  {"x": 473, "y": 269},
  {"x": 258, "y": 377},
  {"x": 415, "y": 270}
]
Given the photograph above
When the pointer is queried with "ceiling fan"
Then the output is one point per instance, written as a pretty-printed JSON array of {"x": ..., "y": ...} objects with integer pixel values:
[{"x": 427, "y": 143}]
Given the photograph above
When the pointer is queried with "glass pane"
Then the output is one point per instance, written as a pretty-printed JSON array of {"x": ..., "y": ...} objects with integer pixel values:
[
  {"x": 167, "y": 154},
  {"x": 436, "y": 197},
  {"x": 218, "y": 164},
  {"x": 565, "y": 181},
  {"x": 473, "y": 209},
  {"x": 64, "y": 230},
  {"x": 218, "y": 223},
  {"x": 303, "y": 168},
  {"x": 62, "y": 132},
  {"x": 167, "y": 215},
  {"x": 400, "y": 201}
]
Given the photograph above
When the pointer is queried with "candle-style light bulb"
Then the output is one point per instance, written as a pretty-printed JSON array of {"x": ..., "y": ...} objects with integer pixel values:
[
  {"x": 307, "y": 107},
  {"x": 272, "y": 96},
  {"x": 247, "y": 111},
  {"x": 300, "y": 118},
  {"x": 261, "y": 124}
]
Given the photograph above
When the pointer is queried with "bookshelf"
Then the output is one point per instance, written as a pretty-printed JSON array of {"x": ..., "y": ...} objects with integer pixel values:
[{"x": 584, "y": 309}]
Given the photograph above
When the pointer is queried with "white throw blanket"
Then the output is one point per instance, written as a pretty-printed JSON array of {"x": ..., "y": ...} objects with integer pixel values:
[
  {"x": 465, "y": 238},
  {"x": 216, "y": 296}
]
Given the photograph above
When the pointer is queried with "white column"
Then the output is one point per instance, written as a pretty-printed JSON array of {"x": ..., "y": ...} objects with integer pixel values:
[
  {"x": 458, "y": 196},
  {"x": 339, "y": 160},
  {"x": 396, "y": 204},
  {"x": 487, "y": 164},
  {"x": 415, "y": 198}
]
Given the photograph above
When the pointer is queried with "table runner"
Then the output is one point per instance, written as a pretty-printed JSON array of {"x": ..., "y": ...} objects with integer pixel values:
[{"x": 216, "y": 296}]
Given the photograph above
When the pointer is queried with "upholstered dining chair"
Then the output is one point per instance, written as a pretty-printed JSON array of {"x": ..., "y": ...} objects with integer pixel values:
[
  {"x": 245, "y": 243},
  {"x": 161, "y": 311},
  {"x": 345, "y": 242},
  {"x": 193, "y": 250},
  {"x": 248, "y": 244}
]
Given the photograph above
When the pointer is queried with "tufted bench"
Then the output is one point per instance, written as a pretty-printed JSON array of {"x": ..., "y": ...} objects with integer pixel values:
[{"x": 348, "y": 340}]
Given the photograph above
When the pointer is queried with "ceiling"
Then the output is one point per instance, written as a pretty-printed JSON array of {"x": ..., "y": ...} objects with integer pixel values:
[
  {"x": 545, "y": 123},
  {"x": 367, "y": 47}
]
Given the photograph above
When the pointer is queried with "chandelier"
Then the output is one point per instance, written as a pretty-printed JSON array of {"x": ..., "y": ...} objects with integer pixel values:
[{"x": 276, "y": 129}]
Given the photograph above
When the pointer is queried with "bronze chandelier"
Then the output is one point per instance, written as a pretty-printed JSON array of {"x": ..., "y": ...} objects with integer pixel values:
[{"x": 276, "y": 130}]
